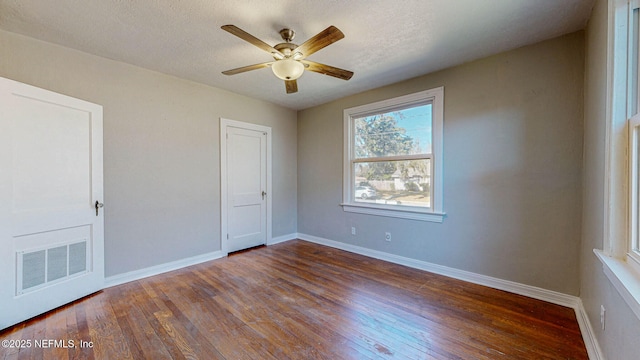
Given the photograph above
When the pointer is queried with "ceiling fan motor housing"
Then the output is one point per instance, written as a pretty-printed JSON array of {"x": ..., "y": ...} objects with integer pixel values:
[{"x": 285, "y": 48}]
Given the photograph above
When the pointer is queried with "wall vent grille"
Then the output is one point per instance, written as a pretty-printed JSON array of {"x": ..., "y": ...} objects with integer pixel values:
[{"x": 39, "y": 268}]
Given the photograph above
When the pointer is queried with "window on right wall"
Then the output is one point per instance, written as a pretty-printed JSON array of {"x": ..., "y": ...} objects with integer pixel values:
[
  {"x": 393, "y": 157},
  {"x": 633, "y": 115},
  {"x": 620, "y": 254}
]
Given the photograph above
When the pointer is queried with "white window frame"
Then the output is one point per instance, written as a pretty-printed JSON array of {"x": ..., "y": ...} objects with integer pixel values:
[
  {"x": 435, "y": 213},
  {"x": 621, "y": 264},
  {"x": 633, "y": 253},
  {"x": 633, "y": 114}
]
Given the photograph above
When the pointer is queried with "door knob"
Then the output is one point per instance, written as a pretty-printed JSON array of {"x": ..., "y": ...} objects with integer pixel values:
[
  {"x": 263, "y": 195},
  {"x": 98, "y": 206}
]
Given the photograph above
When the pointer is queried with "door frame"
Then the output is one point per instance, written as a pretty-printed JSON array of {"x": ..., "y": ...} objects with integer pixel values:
[{"x": 224, "y": 216}]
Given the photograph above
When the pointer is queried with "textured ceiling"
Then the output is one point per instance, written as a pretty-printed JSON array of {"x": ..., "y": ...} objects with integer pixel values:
[{"x": 385, "y": 41}]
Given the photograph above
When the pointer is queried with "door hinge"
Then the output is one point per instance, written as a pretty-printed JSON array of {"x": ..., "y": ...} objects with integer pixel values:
[{"x": 227, "y": 236}]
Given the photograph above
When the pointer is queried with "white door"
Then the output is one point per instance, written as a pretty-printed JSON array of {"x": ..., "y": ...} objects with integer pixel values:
[
  {"x": 247, "y": 191},
  {"x": 51, "y": 223}
]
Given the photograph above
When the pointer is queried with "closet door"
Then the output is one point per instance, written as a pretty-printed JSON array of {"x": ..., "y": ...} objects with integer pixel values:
[{"x": 51, "y": 188}]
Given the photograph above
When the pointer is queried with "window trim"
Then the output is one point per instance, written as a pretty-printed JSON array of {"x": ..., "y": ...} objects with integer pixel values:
[{"x": 435, "y": 213}]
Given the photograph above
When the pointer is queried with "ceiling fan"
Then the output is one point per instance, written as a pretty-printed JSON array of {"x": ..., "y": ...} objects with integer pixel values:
[{"x": 289, "y": 59}]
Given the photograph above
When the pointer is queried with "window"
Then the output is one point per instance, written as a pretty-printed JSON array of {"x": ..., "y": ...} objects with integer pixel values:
[
  {"x": 633, "y": 115},
  {"x": 620, "y": 256},
  {"x": 393, "y": 157}
]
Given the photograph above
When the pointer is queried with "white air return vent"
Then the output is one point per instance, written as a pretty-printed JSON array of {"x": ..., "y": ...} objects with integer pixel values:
[
  {"x": 39, "y": 268},
  {"x": 34, "y": 264},
  {"x": 77, "y": 258},
  {"x": 56, "y": 263}
]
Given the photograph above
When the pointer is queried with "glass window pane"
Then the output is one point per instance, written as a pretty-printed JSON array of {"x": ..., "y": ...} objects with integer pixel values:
[
  {"x": 402, "y": 132},
  {"x": 406, "y": 182}
]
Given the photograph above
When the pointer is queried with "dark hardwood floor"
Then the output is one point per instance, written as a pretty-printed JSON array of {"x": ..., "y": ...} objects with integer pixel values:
[{"x": 298, "y": 300}]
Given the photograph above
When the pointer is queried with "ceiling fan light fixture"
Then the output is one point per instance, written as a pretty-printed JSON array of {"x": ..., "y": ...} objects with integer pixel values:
[{"x": 287, "y": 69}]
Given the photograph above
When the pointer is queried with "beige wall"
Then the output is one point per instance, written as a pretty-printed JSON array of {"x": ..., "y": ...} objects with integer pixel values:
[
  {"x": 620, "y": 339},
  {"x": 161, "y": 150},
  {"x": 512, "y": 169}
]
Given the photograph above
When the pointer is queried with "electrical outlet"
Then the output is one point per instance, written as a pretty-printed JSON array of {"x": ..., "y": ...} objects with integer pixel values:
[
  {"x": 602, "y": 317},
  {"x": 387, "y": 236},
  {"x": 353, "y": 230}
]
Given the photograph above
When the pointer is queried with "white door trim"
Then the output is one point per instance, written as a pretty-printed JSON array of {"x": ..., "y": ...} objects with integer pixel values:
[{"x": 224, "y": 124}]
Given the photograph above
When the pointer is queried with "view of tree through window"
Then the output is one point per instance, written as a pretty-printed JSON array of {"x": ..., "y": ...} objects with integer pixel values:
[{"x": 393, "y": 157}]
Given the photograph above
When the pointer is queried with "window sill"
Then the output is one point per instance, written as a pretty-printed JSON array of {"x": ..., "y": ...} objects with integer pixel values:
[
  {"x": 395, "y": 212},
  {"x": 624, "y": 278}
]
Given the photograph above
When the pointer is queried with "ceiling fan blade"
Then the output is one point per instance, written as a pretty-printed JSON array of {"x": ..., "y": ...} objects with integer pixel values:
[
  {"x": 327, "y": 70},
  {"x": 252, "y": 39},
  {"x": 291, "y": 85},
  {"x": 247, "y": 68},
  {"x": 325, "y": 38}
]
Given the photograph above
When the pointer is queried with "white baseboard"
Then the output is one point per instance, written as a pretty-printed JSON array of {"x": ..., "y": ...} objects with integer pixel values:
[
  {"x": 589, "y": 336},
  {"x": 506, "y": 285},
  {"x": 534, "y": 292},
  {"x": 159, "y": 269},
  {"x": 283, "y": 238}
]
